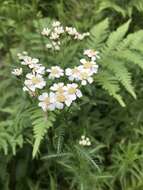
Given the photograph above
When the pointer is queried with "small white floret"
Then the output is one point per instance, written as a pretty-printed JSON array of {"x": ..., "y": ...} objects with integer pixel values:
[
  {"x": 34, "y": 81},
  {"x": 92, "y": 54},
  {"x": 56, "y": 24},
  {"x": 46, "y": 32},
  {"x": 17, "y": 72},
  {"x": 49, "y": 46},
  {"x": 29, "y": 60},
  {"x": 54, "y": 36},
  {"x": 73, "y": 74},
  {"x": 55, "y": 72},
  {"x": 47, "y": 101}
]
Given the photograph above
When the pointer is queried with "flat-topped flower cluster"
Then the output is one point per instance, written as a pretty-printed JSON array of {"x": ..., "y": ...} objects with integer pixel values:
[
  {"x": 56, "y": 33},
  {"x": 84, "y": 72},
  {"x": 58, "y": 94}
]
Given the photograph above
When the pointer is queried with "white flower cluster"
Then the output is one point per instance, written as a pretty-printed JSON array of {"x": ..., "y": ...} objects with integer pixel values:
[
  {"x": 84, "y": 141},
  {"x": 55, "y": 33},
  {"x": 60, "y": 95},
  {"x": 34, "y": 80},
  {"x": 86, "y": 70}
]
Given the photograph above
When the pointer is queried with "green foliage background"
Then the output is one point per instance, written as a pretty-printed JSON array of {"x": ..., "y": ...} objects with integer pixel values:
[{"x": 39, "y": 153}]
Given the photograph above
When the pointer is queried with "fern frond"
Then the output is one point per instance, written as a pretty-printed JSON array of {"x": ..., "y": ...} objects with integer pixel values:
[
  {"x": 109, "y": 83},
  {"x": 116, "y": 37},
  {"x": 9, "y": 141},
  {"x": 132, "y": 41},
  {"x": 98, "y": 35},
  {"x": 41, "y": 123},
  {"x": 131, "y": 57},
  {"x": 117, "y": 54},
  {"x": 122, "y": 74}
]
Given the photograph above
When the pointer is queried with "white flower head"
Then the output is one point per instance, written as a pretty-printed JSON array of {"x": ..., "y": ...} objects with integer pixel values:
[
  {"x": 29, "y": 60},
  {"x": 57, "y": 48},
  {"x": 47, "y": 101},
  {"x": 37, "y": 68},
  {"x": 34, "y": 81},
  {"x": 17, "y": 72},
  {"x": 72, "y": 92},
  {"x": 56, "y": 24},
  {"x": 73, "y": 74},
  {"x": 85, "y": 75},
  {"x": 56, "y": 45},
  {"x": 74, "y": 33},
  {"x": 92, "y": 54},
  {"x": 49, "y": 46},
  {"x": 86, "y": 34},
  {"x": 54, "y": 36},
  {"x": 58, "y": 87},
  {"x": 25, "y": 89},
  {"x": 60, "y": 96},
  {"x": 22, "y": 55},
  {"x": 40, "y": 70},
  {"x": 45, "y": 31},
  {"x": 59, "y": 30},
  {"x": 79, "y": 36},
  {"x": 83, "y": 137},
  {"x": 91, "y": 65},
  {"x": 71, "y": 31},
  {"x": 55, "y": 72},
  {"x": 60, "y": 100},
  {"x": 66, "y": 94}
]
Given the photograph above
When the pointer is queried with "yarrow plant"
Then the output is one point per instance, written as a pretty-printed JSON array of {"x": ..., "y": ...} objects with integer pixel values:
[
  {"x": 58, "y": 95},
  {"x": 59, "y": 103}
]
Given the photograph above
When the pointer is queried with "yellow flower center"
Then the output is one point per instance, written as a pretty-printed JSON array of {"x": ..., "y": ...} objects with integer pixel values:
[
  {"x": 60, "y": 90},
  {"x": 72, "y": 90},
  {"x": 35, "y": 80},
  {"x": 75, "y": 71},
  {"x": 61, "y": 97},
  {"x": 87, "y": 65},
  {"x": 47, "y": 101},
  {"x": 54, "y": 71},
  {"x": 84, "y": 75}
]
